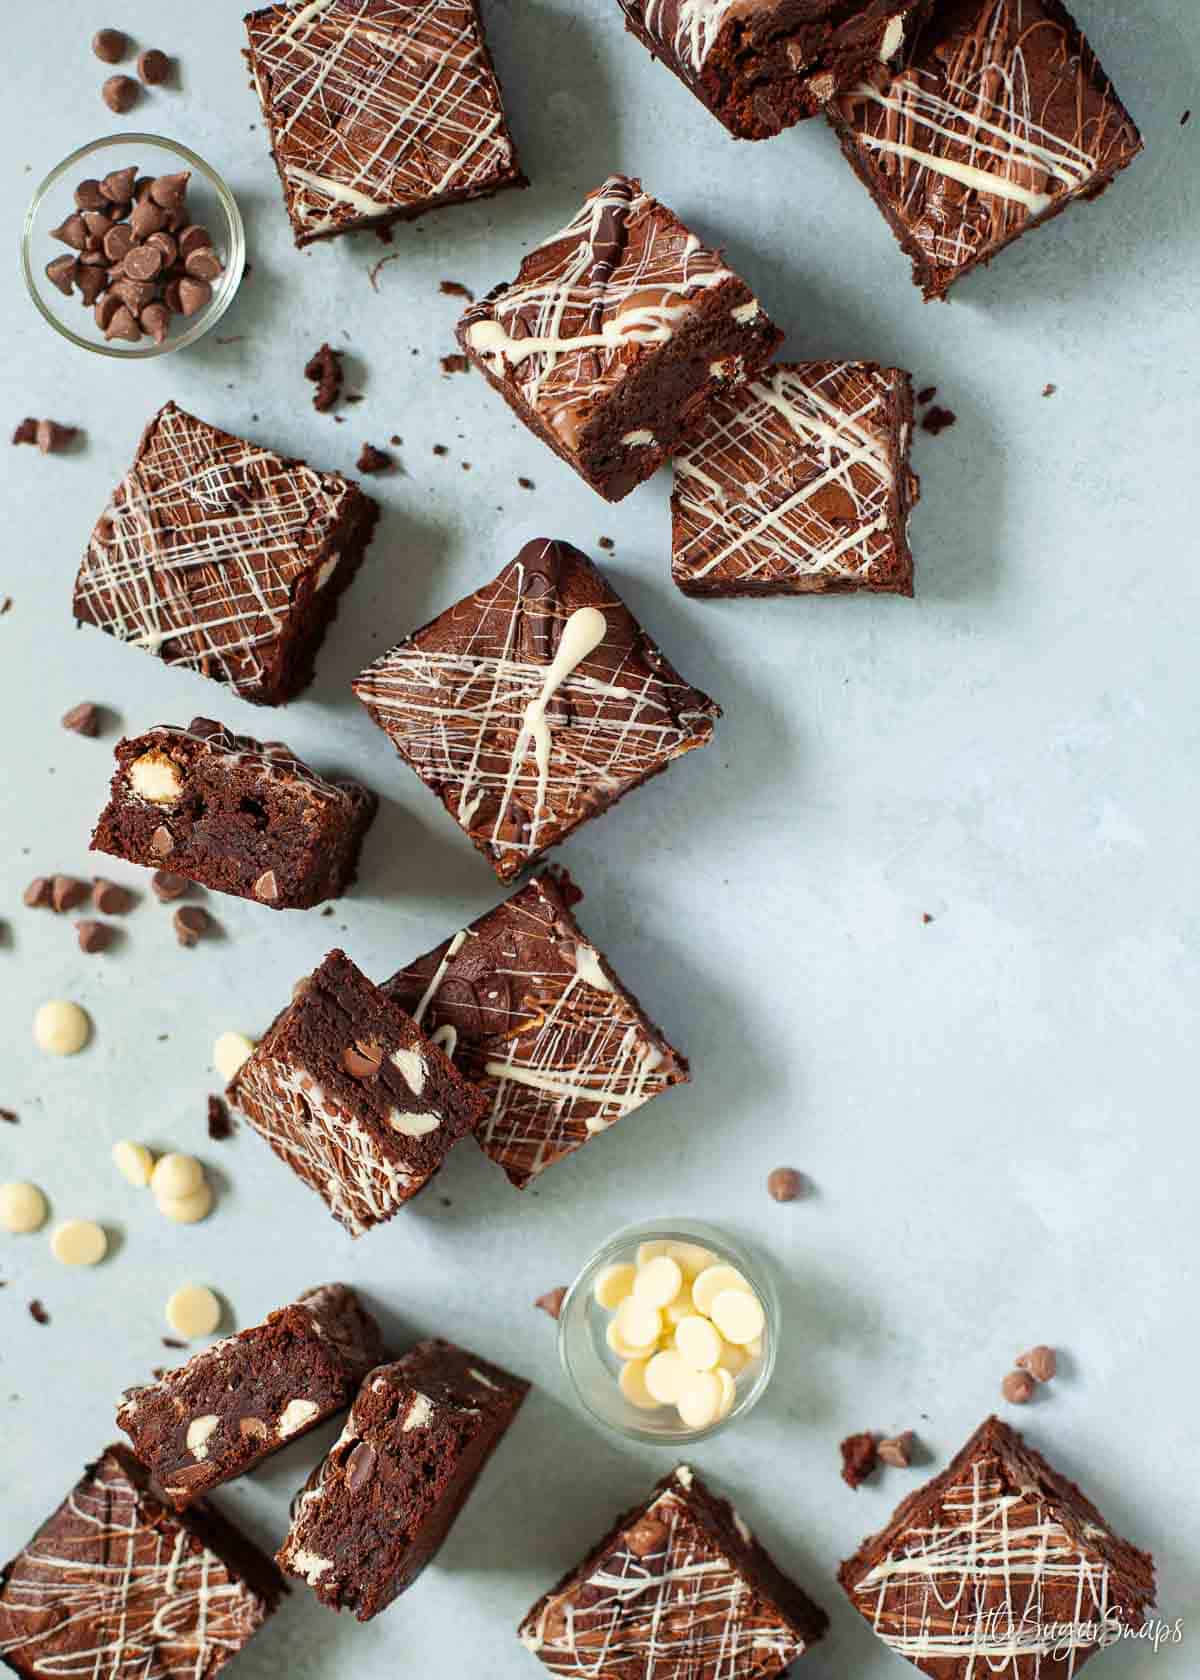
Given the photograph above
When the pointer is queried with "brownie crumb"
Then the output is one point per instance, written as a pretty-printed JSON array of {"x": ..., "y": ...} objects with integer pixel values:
[
  {"x": 552, "y": 1301},
  {"x": 9, "y": 1117},
  {"x": 395, "y": 440},
  {"x": 440, "y": 449},
  {"x": 220, "y": 1121},
  {"x": 49, "y": 435},
  {"x": 5, "y": 605},
  {"x": 937, "y": 419},
  {"x": 170, "y": 1342},
  {"x": 926, "y": 917},
  {"x": 607, "y": 542},
  {"x": 38, "y": 1313},
  {"x": 372, "y": 460},
  {"x": 859, "y": 1458},
  {"x": 526, "y": 483},
  {"x": 455, "y": 364},
  {"x": 325, "y": 371},
  {"x": 355, "y": 397},
  {"x": 83, "y": 719},
  {"x": 455, "y": 288},
  {"x": 926, "y": 394},
  {"x": 1049, "y": 390}
]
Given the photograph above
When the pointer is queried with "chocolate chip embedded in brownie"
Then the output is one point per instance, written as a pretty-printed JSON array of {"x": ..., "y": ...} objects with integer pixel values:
[
  {"x": 240, "y": 1400},
  {"x": 240, "y": 816}
]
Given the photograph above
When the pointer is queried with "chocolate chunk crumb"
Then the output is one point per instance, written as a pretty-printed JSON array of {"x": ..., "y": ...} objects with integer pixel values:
[
  {"x": 191, "y": 923},
  {"x": 220, "y": 1121},
  {"x": 153, "y": 66},
  {"x": 526, "y": 483},
  {"x": 395, "y": 440},
  {"x": 785, "y": 1184},
  {"x": 455, "y": 364},
  {"x": 859, "y": 1457},
  {"x": 166, "y": 886},
  {"x": 325, "y": 371},
  {"x": 455, "y": 288},
  {"x": 373, "y": 460},
  {"x": 93, "y": 937},
  {"x": 83, "y": 719},
  {"x": 8, "y": 1116},
  {"x": 110, "y": 45},
  {"x": 926, "y": 394},
  {"x": 5, "y": 605},
  {"x": 607, "y": 542},
  {"x": 552, "y": 1302},
  {"x": 170, "y": 1342},
  {"x": 937, "y": 419},
  {"x": 120, "y": 94},
  {"x": 896, "y": 1450},
  {"x": 1186, "y": 118},
  {"x": 440, "y": 449},
  {"x": 38, "y": 1313},
  {"x": 1049, "y": 390}
]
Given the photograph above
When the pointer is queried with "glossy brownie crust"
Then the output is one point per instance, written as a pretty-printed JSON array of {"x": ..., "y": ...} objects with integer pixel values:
[
  {"x": 242, "y": 1399},
  {"x": 636, "y": 325},
  {"x": 352, "y": 1095},
  {"x": 534, "y": 1015},
  {"x": 799, "y": 483},
  {"x": 999, "y": 1550},
  {"x": 223, "y": 557},
  {"x": 246, "y": 817},
  {"x": 454, "y": 698},
  {"x": 115, "y": 1584},
  {"x": 379, "y": 111},
  {"x": 375, "y": 1513},
  {"x": 679, "y": 1586},
  {"x": 1000, "y": 116}
]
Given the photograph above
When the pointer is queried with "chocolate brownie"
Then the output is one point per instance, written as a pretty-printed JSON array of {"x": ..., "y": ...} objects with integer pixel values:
[
  {"x": 240, "y": 1400},
  {"x": 530, "y": 1011},
  {"x": 998, "y": 1566},
  {"x": 221, "y": 556},
  {"x": 679, "y": 1586},
  {"x": 374, "y": 1514},
  {"x": 762, "y": 65},
  {"x": 615, "y": 335},
  {"x": 240, "y": 816},
  {"x": 379, "y": 110},
  {"x": 997, "y": 118},
  {"x": 534, "y": 704},
  {"x": 798, "y": 483},
  {"x": 347, "y": 1089},
  {"x": 114, "y": 1584}
]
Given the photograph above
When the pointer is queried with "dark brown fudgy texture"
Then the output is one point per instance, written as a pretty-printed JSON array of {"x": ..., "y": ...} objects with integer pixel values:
[
  {"x": 679, "y": 1585},
  {"x": 998, "y": 1548},
  {"x": 348, "y": 1090},
  {"x": 375, "y": 1513},
  {"x": 453, "y": 698},
  {"x": 398, "y": 119},
  {"x": 523, "y": 990},
  {"x": 248, "y": 817},
  {"x": 223, "y": 557},
  {"x": 995, "y": 86},
  {"x": 115, "y": 1584},
  {"x": 639, "y": 326},
  {"x": 772, "y": 63},
  {"x": 242, "y": 1399}
]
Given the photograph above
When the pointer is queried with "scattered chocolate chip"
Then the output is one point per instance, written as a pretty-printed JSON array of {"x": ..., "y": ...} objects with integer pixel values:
[
  {"x": 325, "y": 371},
  {"x": 66, "y": 892},
  {"x": 395, "y": 440},
  {"x": 859, "y": 1457},
  {"x": 455, "y": 364},
  {"x": 166, "y": 886},
  {"x": 26, "y": 432},
  {"x": 52, "y": 438},
  {"x": 110, "y": 45},
  {"x": 440, "y": 449},
  {"x": 191, "y": 923},
  {"x": 455, "y": 288},
  {"x": 526, "y": 483},
  {"x": 896, "y": 1450},
  {"x": 38, "y": 1313},
  {"x": 1041, "y": 1362},
  {"x": 9, "y": 1117},
  {"x": 266, "y": 887},
  {"x": 936, "y": 420},
  {"x": 120, "y": 94},
  {"x": 1047, "y": 390},
  {"x": 220, "y": 1121},
  {"x": 93, "y": 936},
  {"x": 926, "y": 394},
  {"x": 110, "y": 899},
  {"x": 37, "y": 893},
  {"x": 373, "y": 460},
  {"x": 153, "y": 66},
  {"x": 61, "y": 272},
  {"x": 170, "y": 1342},
  {"x": 83, "y": 719},
  {"x": 552, "y": 1302},
  {"x": 785, "y": 1184},
  {"x": 607, "y": 542},
  {"x": 1017, "y": 1388}
]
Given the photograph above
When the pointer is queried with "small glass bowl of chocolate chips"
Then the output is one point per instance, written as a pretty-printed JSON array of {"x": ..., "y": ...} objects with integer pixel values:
[
  {"x": 133, "y": 246},
  {"x": 670, "y": 1332}
]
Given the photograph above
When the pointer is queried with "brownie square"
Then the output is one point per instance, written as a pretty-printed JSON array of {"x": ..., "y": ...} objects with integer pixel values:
[
  {"x": 379, "y": 110},
  {"x": 679, "y": 1586},
  {"x": 114, "y": 1584},
  {"x": 240, "y": 1400},
  {"x": 348, "y": 1090},
  {"x": 221, "y": 556},
  {"x": 998, "y": 1566},
  {"x": 798, "y": 483},
  {"x": 615, "y": 334},
  {"x": 534, "y": 704},
  {"x": 240, "y": 816},
  {"x": 997, "y": 118},
  {"x": 760, "y": 66},
  {"x": 375, "y": 1513},
  {"x": 534, "y": 1015}
]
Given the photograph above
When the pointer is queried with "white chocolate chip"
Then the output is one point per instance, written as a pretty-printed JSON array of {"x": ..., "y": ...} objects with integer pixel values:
[
  {"x": 229, "y": 1052},
  {"x": 22, "y": 1208},
  {"x": 700, "y": 1402},
  {"x": 698, "y": 1343},
  {"x": 613, "y": 1284},
  {"x": 691, "y": 1258},
  {"x": 193, "y": 1311},
  {"x": 134, "y": 1162},
  {"x": 413, "y": 1125},
  {"x": 638, "y": 1325},
  {"x": 411, "y": 1065},
  {"x": 648, "y": 1251},
  {"x": 738, "y": 1316},
  {"x": 658, "y": 1282},
  {"x": 418, "y": 1414},
  {"x": 155, "y": 777},
  {"x": 187, "y": 1210},
  {"x": 253, "y": 1429},
  {"x": 199, "y": 1432},
  {"x": 728, "y": 1396},
  {"x": 79, "y": 1242},
  {"x": 711, "y": 1282},
  {"x": 632, "y": 1383},
  {"x": 175, "y": 1176},
  {"x": 666, "y": 1377},
  {"x": 733, "y": 1359},
  {"x": 308, "y": 1565},
  {"x": 61, "y": 1028},
  {"x": 295, "y": 1415}
]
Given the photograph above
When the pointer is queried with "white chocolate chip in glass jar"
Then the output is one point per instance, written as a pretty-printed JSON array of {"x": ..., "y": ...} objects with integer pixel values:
[
  {"x": 638, "y": 1325},
  {"x": 700, "y": 1402},
  {"x": 711, "y": 1282},
  {"x": 22, "y": 1208},
  {"x": 193, "y": 1311},
  {"x": 658, "y": 1282},
  {"x": 738, "y": 1316},
  {"x": 632, "y": 1383},
  {"x": 61, "y": 1028},
  {"x": 613, "y": 1284},
  {"x": 134, "y": 1162},
  {"x": 79, "y": 1242},
  {"x": 698, "y": 1342},
  {"x": 666, "y": 1377}
]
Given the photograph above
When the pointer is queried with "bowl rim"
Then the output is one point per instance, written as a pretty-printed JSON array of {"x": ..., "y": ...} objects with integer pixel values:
[
  {"x": 235, "y": 261},
  {"x": 748, "y": 1259}
]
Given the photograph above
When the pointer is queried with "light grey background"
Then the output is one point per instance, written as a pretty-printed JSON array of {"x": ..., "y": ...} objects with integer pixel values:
[{"x": 998, "y": 1109}]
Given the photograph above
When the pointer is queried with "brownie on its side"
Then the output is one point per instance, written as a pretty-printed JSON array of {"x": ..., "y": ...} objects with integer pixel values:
[
  {"x": 679, "y": 1586},
  {"x": 238, "y": 815},
  {"x": 997, "y": 118},
  {"x": 531, "y": 1012},
  {"x": 534, "y": 704},
  {"x": 378, "y": 110},
  {"x": 240, "y": 1400},
  {"x": 221, "y": 556},
  {"x": 798, "y": 483},
  {"x": 374, "y": 1514},
  {"x": 615, "y": 334},
  {"x": 762, "y": 65},
  {"x": 347, "y": 1089},
  {"x": 115, "y": 1584},
  {"x": 998, "y": 1566}
]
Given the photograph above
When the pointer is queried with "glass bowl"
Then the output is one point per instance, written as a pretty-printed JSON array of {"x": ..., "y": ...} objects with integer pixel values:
[
  {"x": 210, "y": 205},
  {"x": 593, "y": 1368}
]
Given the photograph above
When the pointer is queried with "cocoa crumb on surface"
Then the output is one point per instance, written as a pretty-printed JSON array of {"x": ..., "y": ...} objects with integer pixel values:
[
  {"x": 9, "y": 1117},
  {"x": 5, "y": 605},
  {"x": 859, "y": 1458},
  {"x": 38, "y": 1313},
  {"x": 552, "y": 1301},
  {"x": 1049, "y": 390},
  {"x": 926, "y": 917},
  {"x": 455, "y": 364},
  {"x": 607, "y": 542},
  {"x": 440, "y": 449},
  {"x": 455, "y": 288},
  {"x": 926, "y": 394},
  {"x": 526, "y": 483},
  {"x": 324, "y": 369},
  {"x": 937, "y": 420},
  {"x": 220, "y": 1121},
  {"x": 395, "y": 440},
  {"x": 1186, "y": 118},
  {"x": 372, "y": 460},
  {"x": 170, "y": 1342}
]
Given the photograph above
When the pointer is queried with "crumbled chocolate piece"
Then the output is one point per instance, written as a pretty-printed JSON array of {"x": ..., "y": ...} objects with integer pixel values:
[
  {"x": 1049, "y": 390},
  {"x": 166, "y": 886},
  {"x": 38, "y": 1313},
  {"x": 926, "y": 394},
  {"x": 51, "y": 437},
  {"x": 266, "y": 887},
  {"x": 1186, "y": 118},
  {"x": 191, "y": 923},
  {"x": 454, "y": 364},
  {"x": 38, "y": 893},
  {"x": 93, "y": 937},
  {"x": 440, "y": 449},
  {"x": 110, "y": 899},
  {"x": 606, "y": 543},
  {"x": 110, "y": 45},
  {"x": 120, "y": 94},
  {"x": 1041, "y": 1362},
  {"x": 83, "y": 719},
  {"x": 26, "y": 432},
  {"x": 896, "y": 1450},
  {"x": 9, "y": 1117},
  {"x": 859, "y": 1457},
  {"x": 325, "y": 371},
  {"x": 172, "y": 1342},
  {"x": 785, "y": 1184},
  {"x": 153, "y": 66},
  {"x": 1017, "y": 1388},
  {"x": 220, "y": 1121},
  {"x": 455, "y": 288},
  {"x": 552, "y": 1302},
  {"x": 926, "y": 917},
  {"x": 526, "y": 483},
  {"x": 937, "y": 419},
  {"x": 66, "y": 892},
  {"x": 372, "y": 460}
]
